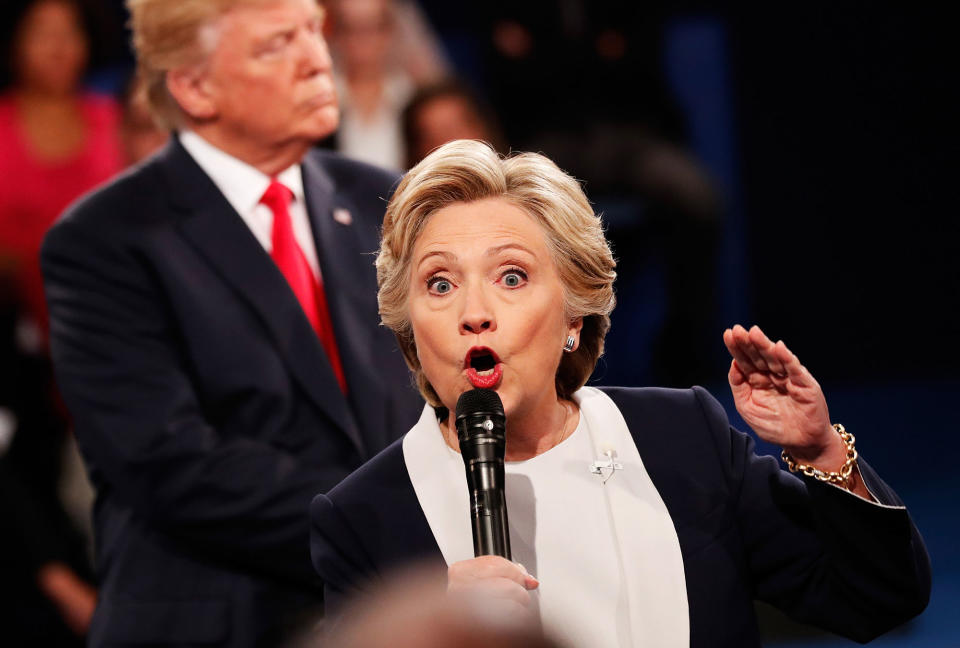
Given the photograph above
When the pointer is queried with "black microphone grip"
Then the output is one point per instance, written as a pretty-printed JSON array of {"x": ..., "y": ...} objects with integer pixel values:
[
  {"x": 488, "y": 513},
  {"x": 481, "y": 430}
]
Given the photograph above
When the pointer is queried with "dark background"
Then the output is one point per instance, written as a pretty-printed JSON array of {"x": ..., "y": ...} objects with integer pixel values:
[{"x": 847, "y": 124}]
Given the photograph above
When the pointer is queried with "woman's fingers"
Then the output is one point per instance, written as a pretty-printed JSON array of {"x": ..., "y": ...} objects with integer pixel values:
[
  {"x": 791, "y": 363},
  {"x": 731, "y": 337},
  {"x": 488, "y": 567},
  {"x": 530, "y": 581},
  {"x": 767, "y": 350},
  {"x": 749, "y": 346},
  {"x": 735, "y": 376},
  {"x": 504, "y": 588},
  {"x": 494, "y": 578},
  {"x": 493, "y": 574},
  {"x": 756, "y": 353}
]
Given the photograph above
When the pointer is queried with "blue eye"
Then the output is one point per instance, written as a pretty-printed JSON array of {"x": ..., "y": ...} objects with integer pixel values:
[
  {"x": 513, "y": 278},
  {"x": 439, "y": 285}
]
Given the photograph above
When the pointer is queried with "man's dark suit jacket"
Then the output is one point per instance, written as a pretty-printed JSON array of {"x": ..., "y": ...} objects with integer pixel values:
[
  {"x": 202, "y": 399},
  {"x": 747, "y": 529}
]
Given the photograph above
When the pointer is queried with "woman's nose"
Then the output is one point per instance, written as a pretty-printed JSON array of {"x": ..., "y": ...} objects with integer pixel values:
[{"x": 477, "y": 315}]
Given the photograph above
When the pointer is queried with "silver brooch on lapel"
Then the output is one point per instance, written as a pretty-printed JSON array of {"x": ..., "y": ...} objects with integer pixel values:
[{"x": 610, "y": 463}]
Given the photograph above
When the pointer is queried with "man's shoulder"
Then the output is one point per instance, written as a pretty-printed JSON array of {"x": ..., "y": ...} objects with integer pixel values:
[
  {"x": 123, "y": 210},
  {"x": 122, "y": 200},
  {"x": 351, "y": 176}
]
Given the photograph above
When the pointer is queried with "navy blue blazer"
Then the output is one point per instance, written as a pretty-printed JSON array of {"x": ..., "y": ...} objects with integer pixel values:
[
  {"x": 747, "y": 529},
  {"x": 203, "y": 402}
]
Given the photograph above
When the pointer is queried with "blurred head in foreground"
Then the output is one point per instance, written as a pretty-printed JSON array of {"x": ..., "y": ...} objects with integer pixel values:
[{"x": 413, "y": 610}]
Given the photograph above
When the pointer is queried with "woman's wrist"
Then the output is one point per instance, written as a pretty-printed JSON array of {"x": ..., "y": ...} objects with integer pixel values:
[
  {"x": 828, "y": 456},
  {"x": 824, "y": 466}
]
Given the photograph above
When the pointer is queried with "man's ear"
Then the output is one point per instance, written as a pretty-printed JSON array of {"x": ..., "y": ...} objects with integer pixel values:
[{"x": 189, "y": 89}]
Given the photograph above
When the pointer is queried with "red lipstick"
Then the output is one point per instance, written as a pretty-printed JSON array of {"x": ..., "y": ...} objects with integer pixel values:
[
  {"x": 485, "y": 381},
  {"x": 483, "y": 367}
]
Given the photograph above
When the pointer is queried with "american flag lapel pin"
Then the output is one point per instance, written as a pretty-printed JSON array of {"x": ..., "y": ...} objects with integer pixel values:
[{"x": 342, "y": 216}]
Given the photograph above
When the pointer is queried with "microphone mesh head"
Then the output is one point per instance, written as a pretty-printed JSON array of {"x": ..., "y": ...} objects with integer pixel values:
[{"x": 479, "y": 400}]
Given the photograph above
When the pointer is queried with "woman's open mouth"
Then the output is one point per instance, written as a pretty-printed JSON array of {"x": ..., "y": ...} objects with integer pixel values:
[{"x": 483, "y": 367}]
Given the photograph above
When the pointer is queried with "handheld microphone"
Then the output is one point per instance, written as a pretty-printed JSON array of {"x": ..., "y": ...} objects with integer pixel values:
[{"x": 482, "y": 432}]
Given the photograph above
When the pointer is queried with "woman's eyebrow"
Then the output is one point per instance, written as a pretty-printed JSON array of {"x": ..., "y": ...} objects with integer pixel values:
[
  {"x": 443, "y": 254},
  {"x": 509, "y": 246}
]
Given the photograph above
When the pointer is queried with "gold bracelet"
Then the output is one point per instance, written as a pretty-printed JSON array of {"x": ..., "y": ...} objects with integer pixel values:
[{"x": 841, "y": 478}]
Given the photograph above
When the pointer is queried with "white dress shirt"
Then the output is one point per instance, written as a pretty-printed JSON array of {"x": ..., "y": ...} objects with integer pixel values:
[
  {"x": 603, "y": 547},
  {"x": 243, "y": 186}
]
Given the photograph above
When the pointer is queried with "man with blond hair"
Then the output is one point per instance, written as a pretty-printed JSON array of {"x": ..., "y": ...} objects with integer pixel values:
[{"x": 214, "y": 330}]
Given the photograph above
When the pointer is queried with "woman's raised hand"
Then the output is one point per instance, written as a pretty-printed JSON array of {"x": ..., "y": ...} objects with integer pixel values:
[
  {"x": 496, "y": 578},
  {"x": 780, "y": 400}
]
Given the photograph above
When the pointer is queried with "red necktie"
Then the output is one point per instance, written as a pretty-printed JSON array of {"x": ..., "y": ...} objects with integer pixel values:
[{"x": 309, "y": 291}]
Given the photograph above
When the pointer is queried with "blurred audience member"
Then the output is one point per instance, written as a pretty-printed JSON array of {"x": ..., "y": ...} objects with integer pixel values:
[
  {"x": 442, "y": 112},
  {"x": 58, "y": 142},
  {"x": 583, "y": 83},
  {"x": 140, "y": 134},
  {"x": 382, "y": 51},
  {"x": 46, "y": 598},
  {"x": 413, "y": 610},
  {"x": 416, "y": 47}
]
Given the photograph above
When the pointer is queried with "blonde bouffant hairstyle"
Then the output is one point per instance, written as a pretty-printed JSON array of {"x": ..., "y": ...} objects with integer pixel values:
[
  {"x": 168, "y": 34},
  {"x": 464, "y": 171}
]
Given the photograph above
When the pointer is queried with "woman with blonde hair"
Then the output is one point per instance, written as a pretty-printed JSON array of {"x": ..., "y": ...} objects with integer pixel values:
[{"x": 637, "y": 516}]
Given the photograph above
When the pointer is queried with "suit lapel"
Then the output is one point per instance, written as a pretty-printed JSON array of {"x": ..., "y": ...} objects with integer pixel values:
[
  {"x": 653, "y": 567},
  {"x": 441, "y": 489},
  {"x": 346, "y": 259},
  {"x": 218, "y": 233}
]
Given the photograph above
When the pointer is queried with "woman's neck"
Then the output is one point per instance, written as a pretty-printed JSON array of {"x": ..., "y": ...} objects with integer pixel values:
[
  {"x": 533, "y": 432},
  {"x": 366, "y": 93},
  {"x": 53, "y": 123},
  {"x": 40, "y": 102}
]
